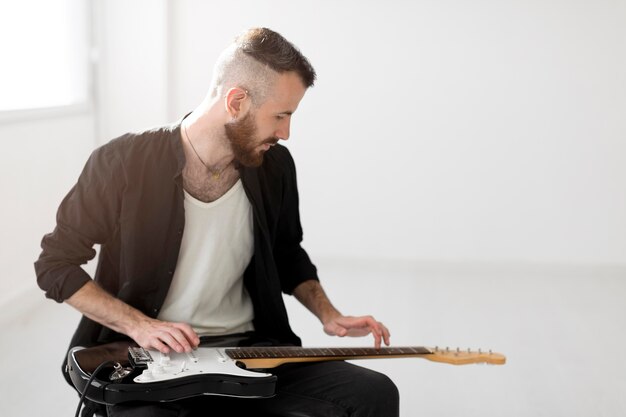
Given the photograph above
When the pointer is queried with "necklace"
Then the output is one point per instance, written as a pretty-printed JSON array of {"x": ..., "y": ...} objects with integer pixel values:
[{"x": 215, "y": 174}]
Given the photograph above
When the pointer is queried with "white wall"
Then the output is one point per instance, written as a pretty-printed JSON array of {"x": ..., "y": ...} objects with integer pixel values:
[
  {"x": 132, "y": 70},
  {"x": 446, "y": 131},
  {"x": 44, "y": 152},
  {"x": 40, "y": 161}
]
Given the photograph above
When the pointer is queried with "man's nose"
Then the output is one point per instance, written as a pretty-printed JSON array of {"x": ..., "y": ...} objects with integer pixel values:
[{"x": 283, "y": 131}]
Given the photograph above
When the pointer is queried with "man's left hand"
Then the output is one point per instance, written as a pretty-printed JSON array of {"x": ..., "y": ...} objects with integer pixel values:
[{"x": 358, "y": 326}]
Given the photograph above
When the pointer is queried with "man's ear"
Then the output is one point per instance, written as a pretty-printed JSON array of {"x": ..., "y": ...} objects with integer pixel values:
[{"x": 236, "y": 102}]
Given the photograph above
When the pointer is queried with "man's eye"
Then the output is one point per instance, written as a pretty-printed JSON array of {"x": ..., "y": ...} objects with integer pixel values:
[{"x": 280, "y": 117}]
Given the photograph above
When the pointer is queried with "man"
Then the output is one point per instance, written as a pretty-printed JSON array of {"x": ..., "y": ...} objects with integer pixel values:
[{"x": 200, "y": 235}]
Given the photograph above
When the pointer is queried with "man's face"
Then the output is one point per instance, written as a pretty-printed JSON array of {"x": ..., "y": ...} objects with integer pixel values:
[
  {"x": 253, "y": 134},
  {"x": 242, "y": 136}
]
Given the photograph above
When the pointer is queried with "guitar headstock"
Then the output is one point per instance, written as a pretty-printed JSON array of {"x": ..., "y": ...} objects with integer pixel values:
[{"x": 464, "y": 357}]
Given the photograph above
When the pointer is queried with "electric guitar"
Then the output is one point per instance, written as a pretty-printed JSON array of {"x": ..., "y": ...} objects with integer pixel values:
[{"x": 132, "y": 373}]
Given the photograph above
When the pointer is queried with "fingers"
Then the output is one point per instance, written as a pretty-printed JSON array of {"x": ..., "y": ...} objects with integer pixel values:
[
  {"x": 379, "y": 331},
  {"x": 360, "y": 326},
  {"x": 165, "y": 336},
  {"x": 176, "y": 340},
  {"x": 158, "y": 345},
  {"x": 375, "y": 328},
  {"x": 190, "y": 336},
  {"x": 386, "y": 334},
  {"x": 381, "y": 334}
]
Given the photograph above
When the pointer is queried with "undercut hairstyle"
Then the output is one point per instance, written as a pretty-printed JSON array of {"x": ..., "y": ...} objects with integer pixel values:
[{"x": 253, "y": 62}]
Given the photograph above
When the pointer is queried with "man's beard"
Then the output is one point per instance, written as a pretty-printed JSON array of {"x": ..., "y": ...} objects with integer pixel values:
[{"x": 241, "y": 135}]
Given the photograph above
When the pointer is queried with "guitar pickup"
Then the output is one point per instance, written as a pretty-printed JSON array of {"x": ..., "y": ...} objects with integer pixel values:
[{"x": 139, "y": 357}]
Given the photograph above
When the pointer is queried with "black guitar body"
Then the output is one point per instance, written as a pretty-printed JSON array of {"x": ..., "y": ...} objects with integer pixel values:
[{"x": 103, "y": 390}]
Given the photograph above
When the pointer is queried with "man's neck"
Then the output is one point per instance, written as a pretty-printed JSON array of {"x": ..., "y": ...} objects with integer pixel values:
[
  {"x": 209, "y": 172},
  {"x": 202, "y": 133}
]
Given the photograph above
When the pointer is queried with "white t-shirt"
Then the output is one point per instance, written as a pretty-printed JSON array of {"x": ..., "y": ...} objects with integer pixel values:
[{"x": 207, "y": 290}]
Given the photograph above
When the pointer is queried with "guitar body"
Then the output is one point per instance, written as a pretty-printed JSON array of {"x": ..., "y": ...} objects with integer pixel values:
[
  {"x": 104, "y": 371},
  {"x": 211, "y": 373}
]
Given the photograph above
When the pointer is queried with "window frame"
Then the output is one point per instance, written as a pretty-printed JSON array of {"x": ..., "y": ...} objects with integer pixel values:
[{"x": 86, "y": 105}]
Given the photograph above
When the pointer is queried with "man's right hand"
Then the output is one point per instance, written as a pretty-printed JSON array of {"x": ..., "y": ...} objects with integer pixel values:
[
  {"x": 163, "y": 336},
  {"x": 149, "y": 333}
]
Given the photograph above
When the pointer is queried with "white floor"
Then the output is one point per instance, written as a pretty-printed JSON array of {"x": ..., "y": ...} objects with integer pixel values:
[{"x": 562, "y": 330}]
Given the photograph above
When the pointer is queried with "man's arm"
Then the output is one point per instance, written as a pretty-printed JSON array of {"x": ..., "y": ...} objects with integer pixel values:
[
  {"x": 97, "y": 304},
  {"x": 311, "y": 294}
]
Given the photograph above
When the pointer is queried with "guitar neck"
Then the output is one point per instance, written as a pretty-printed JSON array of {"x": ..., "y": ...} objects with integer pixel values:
[{"x": 271, "y": 357}]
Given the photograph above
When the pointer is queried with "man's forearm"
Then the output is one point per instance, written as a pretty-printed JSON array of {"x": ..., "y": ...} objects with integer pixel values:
[
  {"x": 311, "y": 294},
  {"x": 97, "y": 304},
  {"x": 100, "y": 306}
]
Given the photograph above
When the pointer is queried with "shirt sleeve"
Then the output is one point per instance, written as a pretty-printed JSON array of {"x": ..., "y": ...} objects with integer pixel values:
[
  {"x": 88, "y": 215},
  {"x": 293, "y": 262}
]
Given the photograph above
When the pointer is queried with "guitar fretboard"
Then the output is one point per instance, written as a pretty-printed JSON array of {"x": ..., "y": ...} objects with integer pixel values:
[{"x": 276, "y": 352}]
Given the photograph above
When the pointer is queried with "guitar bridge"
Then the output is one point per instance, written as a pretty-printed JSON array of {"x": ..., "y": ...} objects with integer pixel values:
[{"x": 139, "y": 357}]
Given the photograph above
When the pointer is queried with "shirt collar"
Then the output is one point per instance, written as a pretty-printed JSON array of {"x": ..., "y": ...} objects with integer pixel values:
[{"x": 178, "y": 148}]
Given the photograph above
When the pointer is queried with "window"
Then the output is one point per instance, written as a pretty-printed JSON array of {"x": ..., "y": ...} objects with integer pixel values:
[{"x": 44, "y": 47}]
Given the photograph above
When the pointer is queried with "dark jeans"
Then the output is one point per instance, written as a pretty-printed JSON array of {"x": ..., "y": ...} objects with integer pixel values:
[{"x": 322, "y": 389}]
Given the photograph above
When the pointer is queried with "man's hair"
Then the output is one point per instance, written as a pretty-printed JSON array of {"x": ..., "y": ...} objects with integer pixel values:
[{"x": 253, "y": 62}]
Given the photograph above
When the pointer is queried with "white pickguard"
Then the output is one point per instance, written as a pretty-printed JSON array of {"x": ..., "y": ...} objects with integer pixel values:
[{"x": 203, "y": 360}]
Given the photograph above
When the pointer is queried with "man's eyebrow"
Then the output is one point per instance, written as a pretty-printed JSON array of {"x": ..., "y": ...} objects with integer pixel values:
[{"x": 287, "y": 112}]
